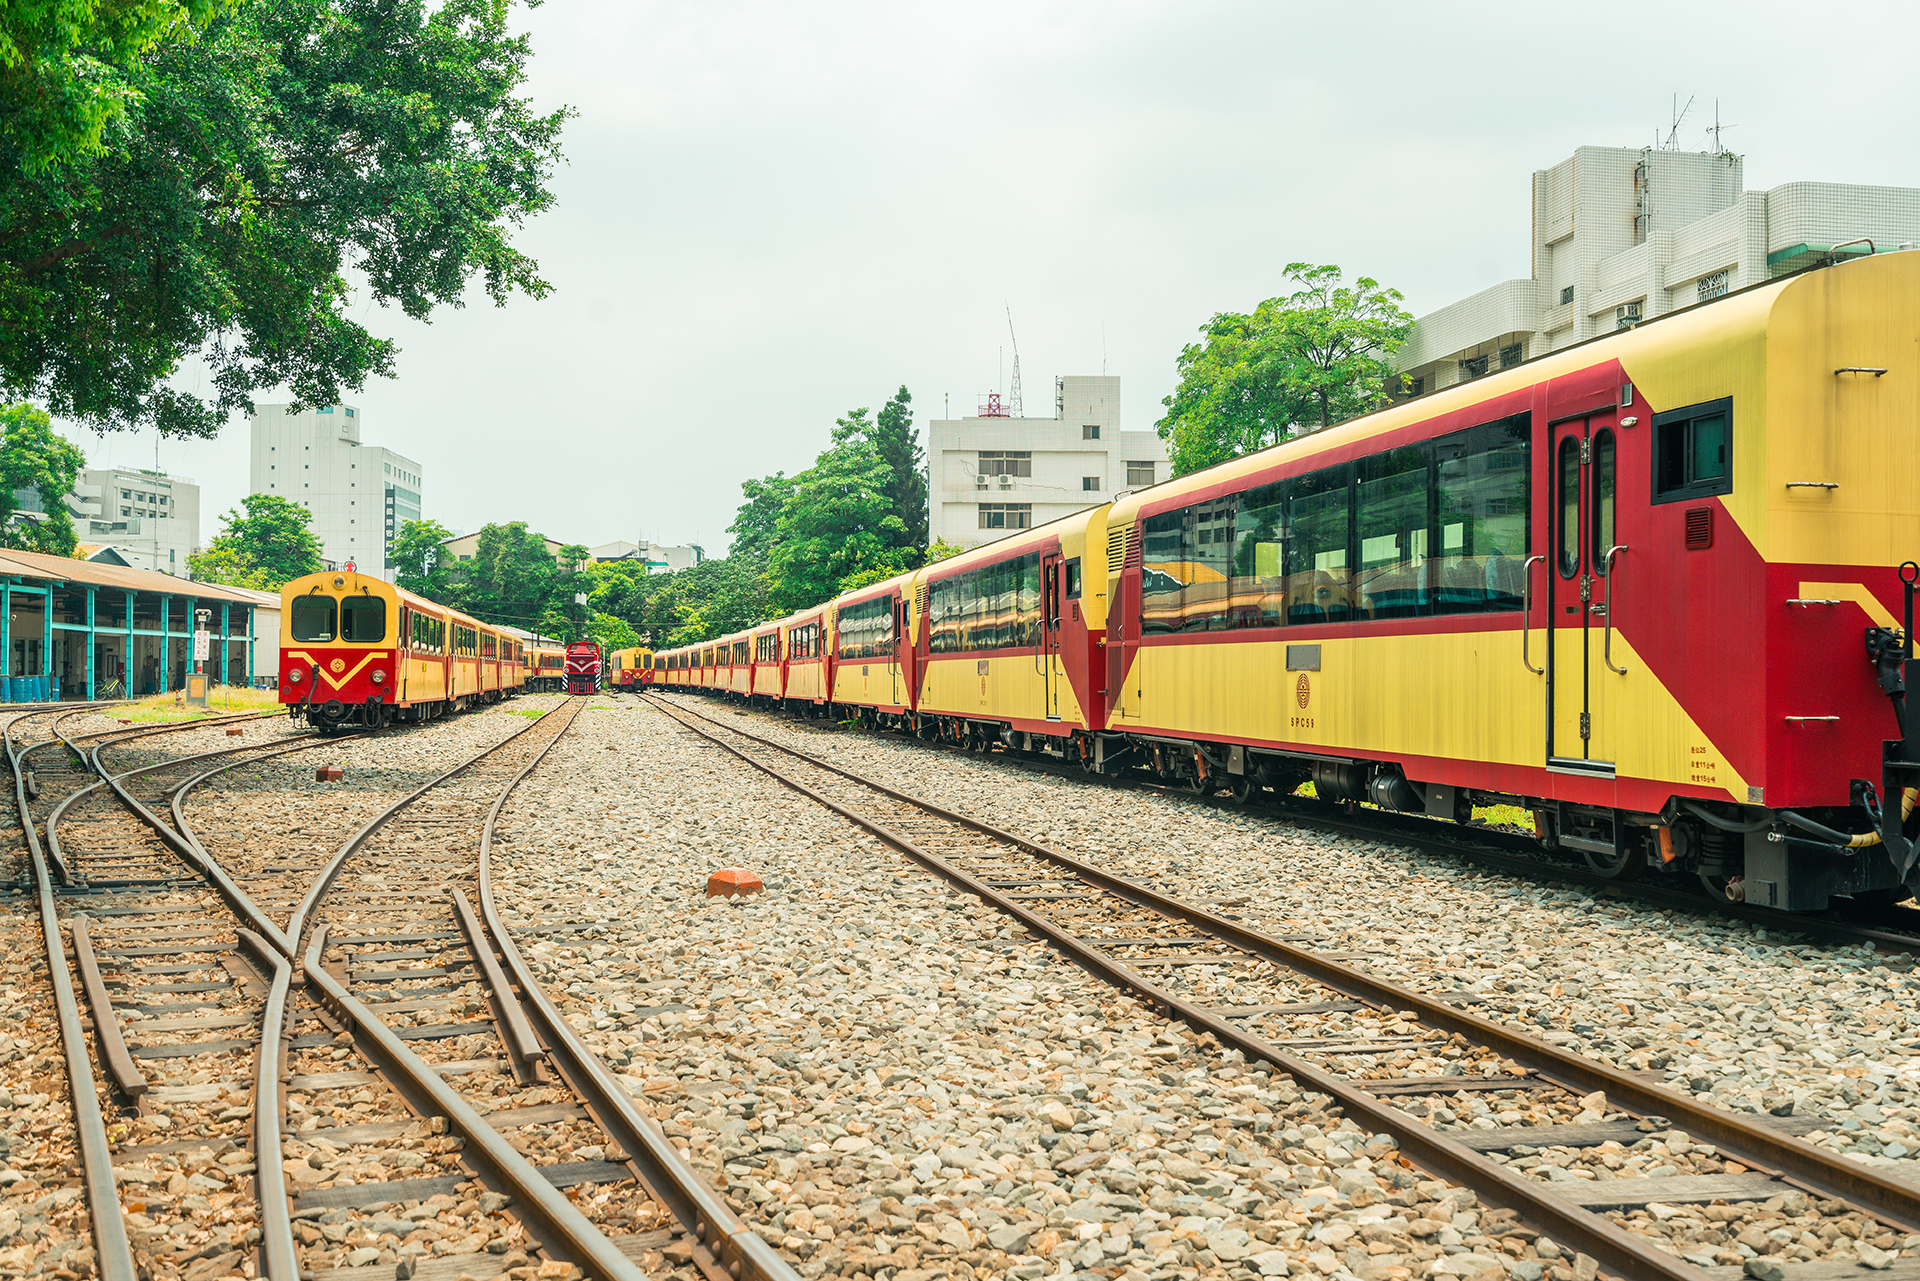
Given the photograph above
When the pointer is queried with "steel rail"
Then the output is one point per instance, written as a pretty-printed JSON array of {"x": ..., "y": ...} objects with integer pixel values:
[
  {"x": 716, "y": 1229},
  {"x": 113, "y": 1252},
  {"x": 561, "y": 1229},
  {"x": 1786, "y": 1157},
  {"x": 560, "y": 1226},
  {"x": 279, "y": 1258}
]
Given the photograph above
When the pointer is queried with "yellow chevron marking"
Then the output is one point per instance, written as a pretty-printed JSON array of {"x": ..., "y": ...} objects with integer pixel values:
[
  {"x": 327, "y": 676},
  {"x": 1855, "y": 592}
]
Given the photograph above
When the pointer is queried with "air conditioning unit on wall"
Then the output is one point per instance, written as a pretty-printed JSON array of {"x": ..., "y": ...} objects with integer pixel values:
[
  {"x": 1006, "y": 482},
  {"x": 980, "y": 482}
]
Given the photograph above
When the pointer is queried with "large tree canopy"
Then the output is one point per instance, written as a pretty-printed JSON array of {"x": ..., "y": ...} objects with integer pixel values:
[
  {"x": 295, "y": 147},
  {"x": 1299, "y": 363},
  {"x": 270, "y": 544},
  {"x": 64, "y": 65},
  {"x": 34, "y": 457}
]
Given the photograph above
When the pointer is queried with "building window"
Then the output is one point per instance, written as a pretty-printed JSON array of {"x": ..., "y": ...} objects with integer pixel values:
[
  {"x": 1626, "y": 317},
  {"x": 1693, "y": 451},
  {"x": 1090, "y": 432},
  {"x": 324, "y": 409},
  {"x": 1472, "y": 367},
  {"x": 126, "y": 493},
  {"x": 350, "y": 413},
  {"x": 1416, "y": 386},
  {"x": 1566, "y": 296},
  {"x": 1006, "y": 462},
  {"x": 1511, "y": 355},
  {"x": 126, "y": 511},
  {"x": 1090, "y": 483},
  {"x": 1006, "y": 515},
  {"x": 1139, "y": 472},
  {"x": 1711, "y": 285}
]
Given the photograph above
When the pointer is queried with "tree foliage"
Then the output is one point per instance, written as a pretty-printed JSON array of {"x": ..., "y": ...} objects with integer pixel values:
[
  {"x": 898, "y": 443},
  {"x": 271, "y": 544},
  {"x": 1297, "y": 364},
  {"x": 243, "y": 180},
  {"x": 421, "y": 563},
  {"x": 34, "y": 457},
  {"x": 65, "y": 64}
]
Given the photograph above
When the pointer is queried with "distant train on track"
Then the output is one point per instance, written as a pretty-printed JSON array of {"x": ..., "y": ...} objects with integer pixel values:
[
  {"x": 1646, "y": 587},
  {"x": 630, "y": 669},
  {"x": 355, "y": 650}
]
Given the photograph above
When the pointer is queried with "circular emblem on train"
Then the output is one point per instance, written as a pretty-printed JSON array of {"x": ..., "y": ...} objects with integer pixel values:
[
  {"x": 1303, "y": 690},
  {"x": 340, "y": 665}
]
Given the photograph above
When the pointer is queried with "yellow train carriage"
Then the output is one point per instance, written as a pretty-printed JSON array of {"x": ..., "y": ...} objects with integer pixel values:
[{"x": 870, "y": 643}]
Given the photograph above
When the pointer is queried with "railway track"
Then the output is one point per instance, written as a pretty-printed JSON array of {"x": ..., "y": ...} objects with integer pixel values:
[
  {"x": 282, "y": 999},
  {"x": 1391, "y": 1058}
]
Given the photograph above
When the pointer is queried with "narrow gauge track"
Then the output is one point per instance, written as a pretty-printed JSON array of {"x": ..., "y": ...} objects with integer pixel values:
[
  {"x": 388, "y": 942},
  {"x": 1893, "y": 928},
  {"x": 1121, "y": 930},
  {"x": 58, "y": 780}
]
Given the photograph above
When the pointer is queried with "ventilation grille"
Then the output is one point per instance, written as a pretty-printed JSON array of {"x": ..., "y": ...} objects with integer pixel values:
[
  {"x": 1699, "y": 528},
  {"x": 920, "y": 601},
  {"x": 1116, "y": 548}
]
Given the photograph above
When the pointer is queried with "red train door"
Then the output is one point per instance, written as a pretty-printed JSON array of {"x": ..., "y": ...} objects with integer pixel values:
[
  {"x": 897, "y": 658},
  {"x": 1584, "y": 661},
  {"x": 1052, "y": 592}
]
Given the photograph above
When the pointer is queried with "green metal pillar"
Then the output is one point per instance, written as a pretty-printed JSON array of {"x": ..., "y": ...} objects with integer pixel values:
[
  {"x": 6, "y": 627},
  {"x": 126, "y": 657},
  {"x": 226, "y": 617},
  {"x": 91, "y": 643}
]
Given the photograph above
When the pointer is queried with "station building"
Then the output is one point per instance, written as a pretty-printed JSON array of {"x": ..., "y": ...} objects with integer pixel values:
[
  {"x": 88, "y": 625},
  {"x": 992, "y": 473},
  {"x": 1621, "y": 235}
]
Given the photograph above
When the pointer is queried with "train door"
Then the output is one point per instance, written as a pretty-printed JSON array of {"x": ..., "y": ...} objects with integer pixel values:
[
  {"x": 1052, "y": 592},
  {"x": 897, "y": 649},
  {"x": 1582, "y": 662}
]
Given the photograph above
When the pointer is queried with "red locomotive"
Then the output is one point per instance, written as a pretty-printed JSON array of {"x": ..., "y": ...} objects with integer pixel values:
[{"x": 583, "y": 667}]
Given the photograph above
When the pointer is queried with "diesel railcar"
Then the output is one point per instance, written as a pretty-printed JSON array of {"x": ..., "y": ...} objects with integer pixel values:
[{"x": 1648, "y": 587}]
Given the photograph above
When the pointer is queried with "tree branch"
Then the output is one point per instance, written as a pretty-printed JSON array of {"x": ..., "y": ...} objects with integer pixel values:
[{"x": 60, "y": 253}]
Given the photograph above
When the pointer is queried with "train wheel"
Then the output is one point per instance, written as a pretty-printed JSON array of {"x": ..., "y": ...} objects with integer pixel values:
[
  {"x": 1618, "y": 864},
  {"x": 1242, "y": 788}
]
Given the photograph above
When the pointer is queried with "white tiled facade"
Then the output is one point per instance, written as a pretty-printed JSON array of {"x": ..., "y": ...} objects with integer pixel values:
[
  {"x": 359, "y": 495},
  {"x": 152, "y": 519},
  {"x": 1621, "y": 235},
  {"x": 991, "y": 476}
]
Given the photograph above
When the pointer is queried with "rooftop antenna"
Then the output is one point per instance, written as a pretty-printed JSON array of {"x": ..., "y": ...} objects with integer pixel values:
[
  {"x": 1013, "y": 392},
  {"x": 1679, "y": 114},
  {"x": 1719, "y": 147}
]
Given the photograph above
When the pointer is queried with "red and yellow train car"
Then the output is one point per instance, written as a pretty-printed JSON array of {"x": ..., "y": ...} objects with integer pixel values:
[{"x": 630, "y": 669}]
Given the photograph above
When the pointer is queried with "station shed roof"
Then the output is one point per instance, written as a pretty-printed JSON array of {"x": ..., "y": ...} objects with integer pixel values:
[{"x": 90, "y": 573}]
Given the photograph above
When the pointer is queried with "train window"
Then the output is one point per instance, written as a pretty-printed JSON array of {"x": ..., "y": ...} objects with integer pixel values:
[
  {"x": 363, "y": 619},
  {"x": 1692, "y": 451},
  {"x": 1601, "y": 503},
  {"x": 313, "y": 618},
  {"x": 1319, "y": 587},
  {"x": 1073, "y": 579},
  {"x": 1483, "y": 508},
  {"x": 1394, "y": 578},
  {"x": 994, "y": 607},
  {"x": 1569, "y": 545},
  {"x": 1258, "y": 591},
  {"x": 1163, "y": 575},
  {"x": 1206, "y": 542},
  {"x": 866, "y": 629}
]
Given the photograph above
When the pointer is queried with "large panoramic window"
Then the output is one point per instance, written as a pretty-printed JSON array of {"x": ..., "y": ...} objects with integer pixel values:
[
  {"x": 866, "y": 629},
  {"x": 993, "y": 607},
  {"x": 313, "y": 618}
]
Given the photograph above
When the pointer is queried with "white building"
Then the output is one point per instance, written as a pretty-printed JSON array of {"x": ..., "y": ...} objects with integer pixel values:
[
  {"x": 991, "y": 473},
  {"x": 359, "y": 495},
  {"x": 151, "y": 519},
  {"x": 1623, "y": 234}
]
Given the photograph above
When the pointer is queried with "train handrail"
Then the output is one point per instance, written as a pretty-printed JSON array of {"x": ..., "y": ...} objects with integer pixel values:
[
  {"x": 1526, "y": 616},
  {"x": 1606, "y": 568}
]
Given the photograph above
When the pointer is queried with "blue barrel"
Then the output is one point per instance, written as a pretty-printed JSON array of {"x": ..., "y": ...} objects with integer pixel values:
[
  {"x": 6, "y": 692},
  {"x": 43, "y": 687},
  {"x": 25, "y": 690},
  {"x": 53, "y": 688}
]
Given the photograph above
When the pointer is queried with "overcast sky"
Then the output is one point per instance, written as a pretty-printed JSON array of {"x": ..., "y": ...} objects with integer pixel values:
[{"x": 771, "y": 212}]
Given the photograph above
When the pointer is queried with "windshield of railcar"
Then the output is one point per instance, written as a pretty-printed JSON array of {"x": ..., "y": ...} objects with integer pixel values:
[
  {"x": 313, "y": 618},
  {"x": 363, "y": 619}
]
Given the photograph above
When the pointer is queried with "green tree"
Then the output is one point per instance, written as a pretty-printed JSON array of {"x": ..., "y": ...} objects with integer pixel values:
[
  {"x": 898, "y": 442},
  {"x": 64, "y": 68},
  {"x": 756, "y": 526},
  {"x": 34, "y": 457},
  {"x": 943, "y": 550},
  {"x": 296, "y": 145},
  {"x": 265, "y": 548},
  {"x": 839, "y": 523},
  {"x": 511, "y": 578},
  {"x": 421, "y": 562},
  {"x": 1299, "y": 363}
]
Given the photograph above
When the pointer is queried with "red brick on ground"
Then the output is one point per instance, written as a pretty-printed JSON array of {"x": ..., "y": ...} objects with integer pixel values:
[
  {"x": 732, "y": 882},
  {"x": 329, "y": 774},
  {"x": 234, "y": 731}
]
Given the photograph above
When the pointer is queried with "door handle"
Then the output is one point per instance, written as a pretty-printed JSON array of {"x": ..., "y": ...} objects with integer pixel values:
[
  {"x": 1606, "y": 650},
  {"x": 1526, "y": 615}
]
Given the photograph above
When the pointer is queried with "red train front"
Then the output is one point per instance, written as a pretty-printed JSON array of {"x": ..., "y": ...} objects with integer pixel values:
[{"x": 583, "y": 667}]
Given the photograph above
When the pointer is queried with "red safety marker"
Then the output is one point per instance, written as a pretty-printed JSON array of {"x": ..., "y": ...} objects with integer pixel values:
[
  {"x": 733, "y": 882},
  {"x": 234, "y": 731},
  {"x": 329, "y": 774}
]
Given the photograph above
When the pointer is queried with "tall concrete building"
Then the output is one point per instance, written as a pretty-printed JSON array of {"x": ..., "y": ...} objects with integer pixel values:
[
  {"x": 991, "y": 473},
  {"x": 359, "y": 494},
  {"x": 1624, "y": 234}
]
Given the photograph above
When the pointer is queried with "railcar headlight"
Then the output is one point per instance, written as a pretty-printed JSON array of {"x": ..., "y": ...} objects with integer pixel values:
[
  {"x": 296, "y": 675},
  {"x": 378, "y": 676}
]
